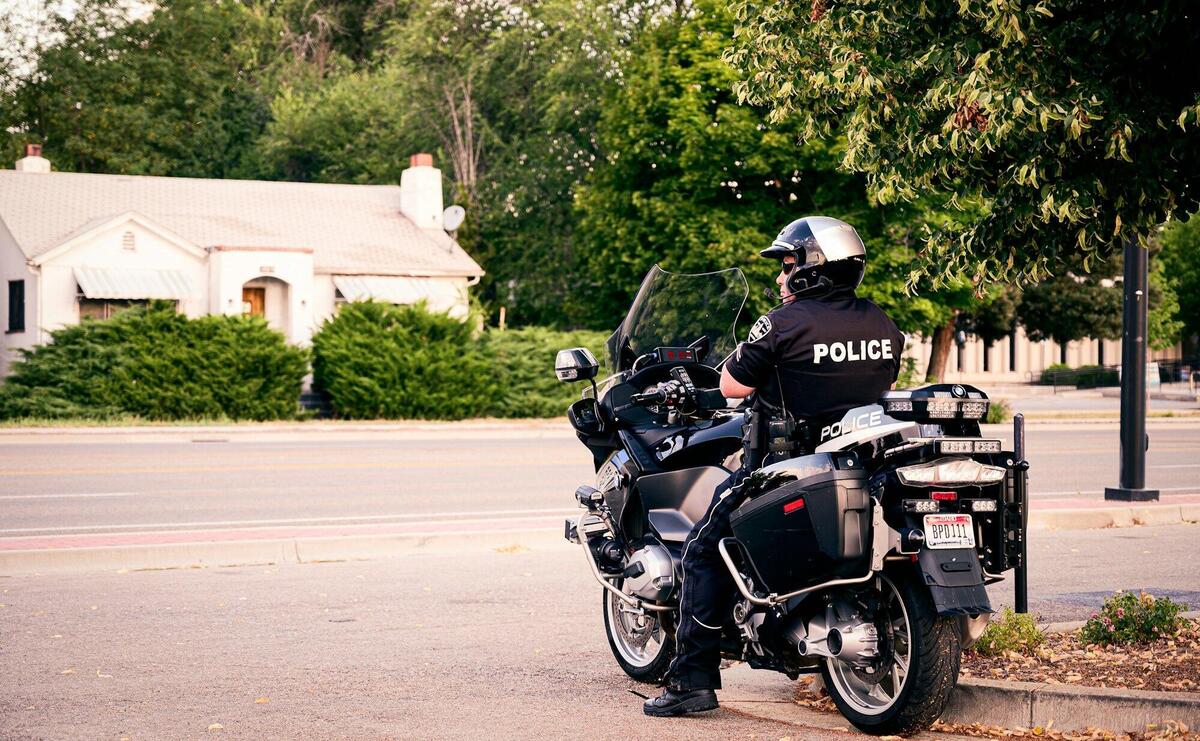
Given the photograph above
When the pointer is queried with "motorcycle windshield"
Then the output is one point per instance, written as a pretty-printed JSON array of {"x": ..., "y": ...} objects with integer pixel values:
[{"x": 675, "y": 310}]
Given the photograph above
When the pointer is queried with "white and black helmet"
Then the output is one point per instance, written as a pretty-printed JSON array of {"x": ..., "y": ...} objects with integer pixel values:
[{"x": 829, "y": 254}]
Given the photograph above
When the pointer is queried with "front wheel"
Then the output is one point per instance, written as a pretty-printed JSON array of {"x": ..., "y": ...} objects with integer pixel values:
[
  {"x": 921, "y": 656},
  {"x": 638, "y": 640}
]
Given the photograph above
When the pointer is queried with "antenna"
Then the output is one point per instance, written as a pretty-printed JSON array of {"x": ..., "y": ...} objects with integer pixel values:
[{"x": 452, "y": 217}]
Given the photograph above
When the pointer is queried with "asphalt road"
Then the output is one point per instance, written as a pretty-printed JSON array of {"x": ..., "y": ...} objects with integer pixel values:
[
  {"x": 495, "y": 643},
  {"x": 123, "y": 482}
]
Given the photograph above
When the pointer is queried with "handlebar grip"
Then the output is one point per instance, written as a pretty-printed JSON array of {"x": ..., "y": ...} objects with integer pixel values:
[{"x": 654, "y": 397}]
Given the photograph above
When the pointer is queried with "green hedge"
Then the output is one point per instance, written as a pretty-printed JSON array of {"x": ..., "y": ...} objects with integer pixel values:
[
  {"x": 524, "y": 361},
  {"x": 1083, "y": 377},
  {"x": 378, "y": 361},
  {"x": 154, "y": 363}
]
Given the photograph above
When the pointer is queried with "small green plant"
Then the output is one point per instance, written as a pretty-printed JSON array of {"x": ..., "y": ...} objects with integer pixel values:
[
  {"x": 908, "y": 378},
  {"x": 1129, "y": 618},
  {"x": 998, "y": 412},
  {"x": 1010, "y": 632}
]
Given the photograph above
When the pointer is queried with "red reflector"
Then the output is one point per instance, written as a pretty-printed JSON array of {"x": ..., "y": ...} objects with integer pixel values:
[
  {"x": 792, "y": 506},
  {"x": 944, "y": 496}
]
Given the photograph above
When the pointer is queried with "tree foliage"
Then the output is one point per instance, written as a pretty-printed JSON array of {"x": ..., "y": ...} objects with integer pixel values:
[
  {"x": 1180, "y": 262},
  {"x": 174, "y": 93},
  {"x": 1061, "y": 127},
  {"x": 692, "y": 180},
  {"x": 1077, "y": 305}
]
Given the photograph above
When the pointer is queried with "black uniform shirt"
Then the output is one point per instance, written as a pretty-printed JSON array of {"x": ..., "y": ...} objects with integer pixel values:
[{"x": 822, "y": 355}]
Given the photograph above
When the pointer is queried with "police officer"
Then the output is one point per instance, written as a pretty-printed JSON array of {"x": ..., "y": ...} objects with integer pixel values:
[{"x": 821, "y": 352}]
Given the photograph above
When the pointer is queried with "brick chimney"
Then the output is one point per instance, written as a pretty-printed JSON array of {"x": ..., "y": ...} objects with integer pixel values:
[
  {"x": 33, "y": 161},
  {"x": 421, "y": 192}
]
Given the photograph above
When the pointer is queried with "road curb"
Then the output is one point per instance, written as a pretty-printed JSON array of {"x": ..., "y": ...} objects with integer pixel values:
[
  {"x": 1067, "y": 707},
  {"x": 997, "y": 703},
  {"x": 199, "y": 555},
  {"x": 1112, "y": 517}
]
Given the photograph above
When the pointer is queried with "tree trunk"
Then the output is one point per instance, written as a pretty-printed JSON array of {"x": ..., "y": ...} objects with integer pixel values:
[{"x": 939, "y": 353}]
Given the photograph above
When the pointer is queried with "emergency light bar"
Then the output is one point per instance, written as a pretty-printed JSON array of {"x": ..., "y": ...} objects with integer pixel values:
[{"x": 941, "y": 402}]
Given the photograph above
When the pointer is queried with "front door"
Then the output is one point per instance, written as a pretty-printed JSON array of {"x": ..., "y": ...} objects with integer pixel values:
[{"x": 254, "y": 301}]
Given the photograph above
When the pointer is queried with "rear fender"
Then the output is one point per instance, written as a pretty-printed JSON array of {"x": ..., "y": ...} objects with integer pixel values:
[{"x": 955, "y": 581}]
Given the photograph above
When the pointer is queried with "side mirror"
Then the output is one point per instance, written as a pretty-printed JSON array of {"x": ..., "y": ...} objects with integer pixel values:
[{"x": 576, "y": 364}]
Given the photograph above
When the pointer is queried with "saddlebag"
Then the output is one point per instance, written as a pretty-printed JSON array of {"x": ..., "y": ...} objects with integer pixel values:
[{"x": 807, "y": 531}]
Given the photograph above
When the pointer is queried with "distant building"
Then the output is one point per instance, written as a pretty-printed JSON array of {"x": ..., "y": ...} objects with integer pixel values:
[
  {"x": 1017, "y": 359},
  {"x": 77, "y": 245}
]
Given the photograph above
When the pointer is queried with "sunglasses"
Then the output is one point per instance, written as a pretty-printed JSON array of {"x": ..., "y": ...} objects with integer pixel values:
[{"x": 787, "y": 267}]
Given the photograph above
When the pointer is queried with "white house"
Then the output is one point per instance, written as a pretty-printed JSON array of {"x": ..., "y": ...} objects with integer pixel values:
[{"x": 77, "y": 245}]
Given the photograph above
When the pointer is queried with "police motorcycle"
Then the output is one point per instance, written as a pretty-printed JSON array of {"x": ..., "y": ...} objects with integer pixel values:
[{"x": 862, "y": 549}]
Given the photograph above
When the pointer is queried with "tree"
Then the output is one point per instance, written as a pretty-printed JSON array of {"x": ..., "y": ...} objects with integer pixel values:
[
  {"x": 173, "y": 93},
  {"x": 1180, "y": 262},
  {"x": 1060, "y": 136},
  {"x": 689, "y": 178},
  {"x": 1077, "y": 305}
]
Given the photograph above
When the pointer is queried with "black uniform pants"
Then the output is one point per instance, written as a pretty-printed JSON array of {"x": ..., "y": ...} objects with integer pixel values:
[{"x": 708, "y": 594}]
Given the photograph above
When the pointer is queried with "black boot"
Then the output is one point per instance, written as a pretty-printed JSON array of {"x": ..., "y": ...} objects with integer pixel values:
[{"x": 680, "y": 702}]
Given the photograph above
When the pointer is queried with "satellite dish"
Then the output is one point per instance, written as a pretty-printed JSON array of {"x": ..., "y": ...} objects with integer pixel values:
[{"x": 452, "y": 217}]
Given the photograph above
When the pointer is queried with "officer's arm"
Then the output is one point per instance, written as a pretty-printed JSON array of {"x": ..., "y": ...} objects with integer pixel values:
[{"x": 731, "y": 388}]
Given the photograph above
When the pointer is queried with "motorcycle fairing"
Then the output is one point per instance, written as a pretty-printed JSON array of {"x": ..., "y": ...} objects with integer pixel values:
[
  {"x": 675, "y": 501},
  {"x": 859, "y": 424},
  {"x": 955, "y": 581}
]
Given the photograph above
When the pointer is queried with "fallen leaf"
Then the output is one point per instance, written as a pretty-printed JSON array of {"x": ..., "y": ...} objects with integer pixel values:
[
  {"x": 68, "y": 671},
  {"x": 216, "y": 727},
  {"x": 261, "y": 700},
  {"x": 514, "y": 548},
  {"x": 103, "y": 676}
]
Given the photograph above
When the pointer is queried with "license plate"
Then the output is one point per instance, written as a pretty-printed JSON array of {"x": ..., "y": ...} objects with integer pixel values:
[{"x": 949, "y": 531}]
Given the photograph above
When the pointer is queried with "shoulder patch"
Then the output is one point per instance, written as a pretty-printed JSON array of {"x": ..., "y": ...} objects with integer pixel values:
[{"x": 760, "y": 329}]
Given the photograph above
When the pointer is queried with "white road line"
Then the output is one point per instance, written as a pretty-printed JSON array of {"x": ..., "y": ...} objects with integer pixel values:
[
  {"x": 430, "y": 516},
  {"x": 72, "y": 496},
  {"x": 1179, "y": 465}
]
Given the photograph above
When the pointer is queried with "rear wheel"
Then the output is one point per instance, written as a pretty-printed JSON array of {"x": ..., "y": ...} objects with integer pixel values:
[
  {"x": 639, "y": 640},
  {"x": 921, "y": 656}
]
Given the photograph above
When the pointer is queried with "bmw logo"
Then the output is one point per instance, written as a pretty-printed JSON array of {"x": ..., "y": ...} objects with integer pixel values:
[{"x": 958, "y": 390}]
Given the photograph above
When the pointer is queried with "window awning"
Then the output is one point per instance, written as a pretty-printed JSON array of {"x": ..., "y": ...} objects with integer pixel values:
[
  {"x": 397, "y": 289},
  {"x": 133, "y": 283}
]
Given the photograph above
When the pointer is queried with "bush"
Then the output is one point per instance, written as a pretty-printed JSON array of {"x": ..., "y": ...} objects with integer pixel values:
[
  {"x": 524, "y": 361},
  {"x": 1011, "y": 632},
  {"x": 909, "y": 378},
  {"x": 1129, "y": 618},
  {"x": 998, "y": 412},
  {"x": 157, "y": 364},
  {"x": 1083, "y": 377},
  {"x": 1048, "y": 375},
  {"x": 379, "y": 361}
]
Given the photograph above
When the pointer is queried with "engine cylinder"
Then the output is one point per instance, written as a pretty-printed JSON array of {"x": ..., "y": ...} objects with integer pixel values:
[{"x": 656, "y": 581}]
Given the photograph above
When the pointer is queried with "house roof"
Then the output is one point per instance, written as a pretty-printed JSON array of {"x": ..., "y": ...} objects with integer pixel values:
[{"x": 351, "y": 229}]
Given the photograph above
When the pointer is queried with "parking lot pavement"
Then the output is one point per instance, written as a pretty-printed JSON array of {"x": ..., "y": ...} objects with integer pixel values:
[{"x": 503, "y": 642}]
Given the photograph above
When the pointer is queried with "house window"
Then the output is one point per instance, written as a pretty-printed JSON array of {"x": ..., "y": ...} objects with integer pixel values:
[
  {"x": 16, "y": 306},
  {"x": 96, "y": 308}
]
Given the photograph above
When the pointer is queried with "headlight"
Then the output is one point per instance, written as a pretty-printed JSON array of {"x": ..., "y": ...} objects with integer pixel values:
[{"x": 950, "y": 472}]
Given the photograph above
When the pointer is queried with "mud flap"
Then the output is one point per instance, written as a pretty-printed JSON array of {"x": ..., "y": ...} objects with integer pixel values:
[{"x": 955, "y": 581}]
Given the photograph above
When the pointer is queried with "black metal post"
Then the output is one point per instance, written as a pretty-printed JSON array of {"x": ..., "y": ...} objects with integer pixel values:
[
  {"x": 1021, "y": 489},
  {"x": 1133, "y": 381}
]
